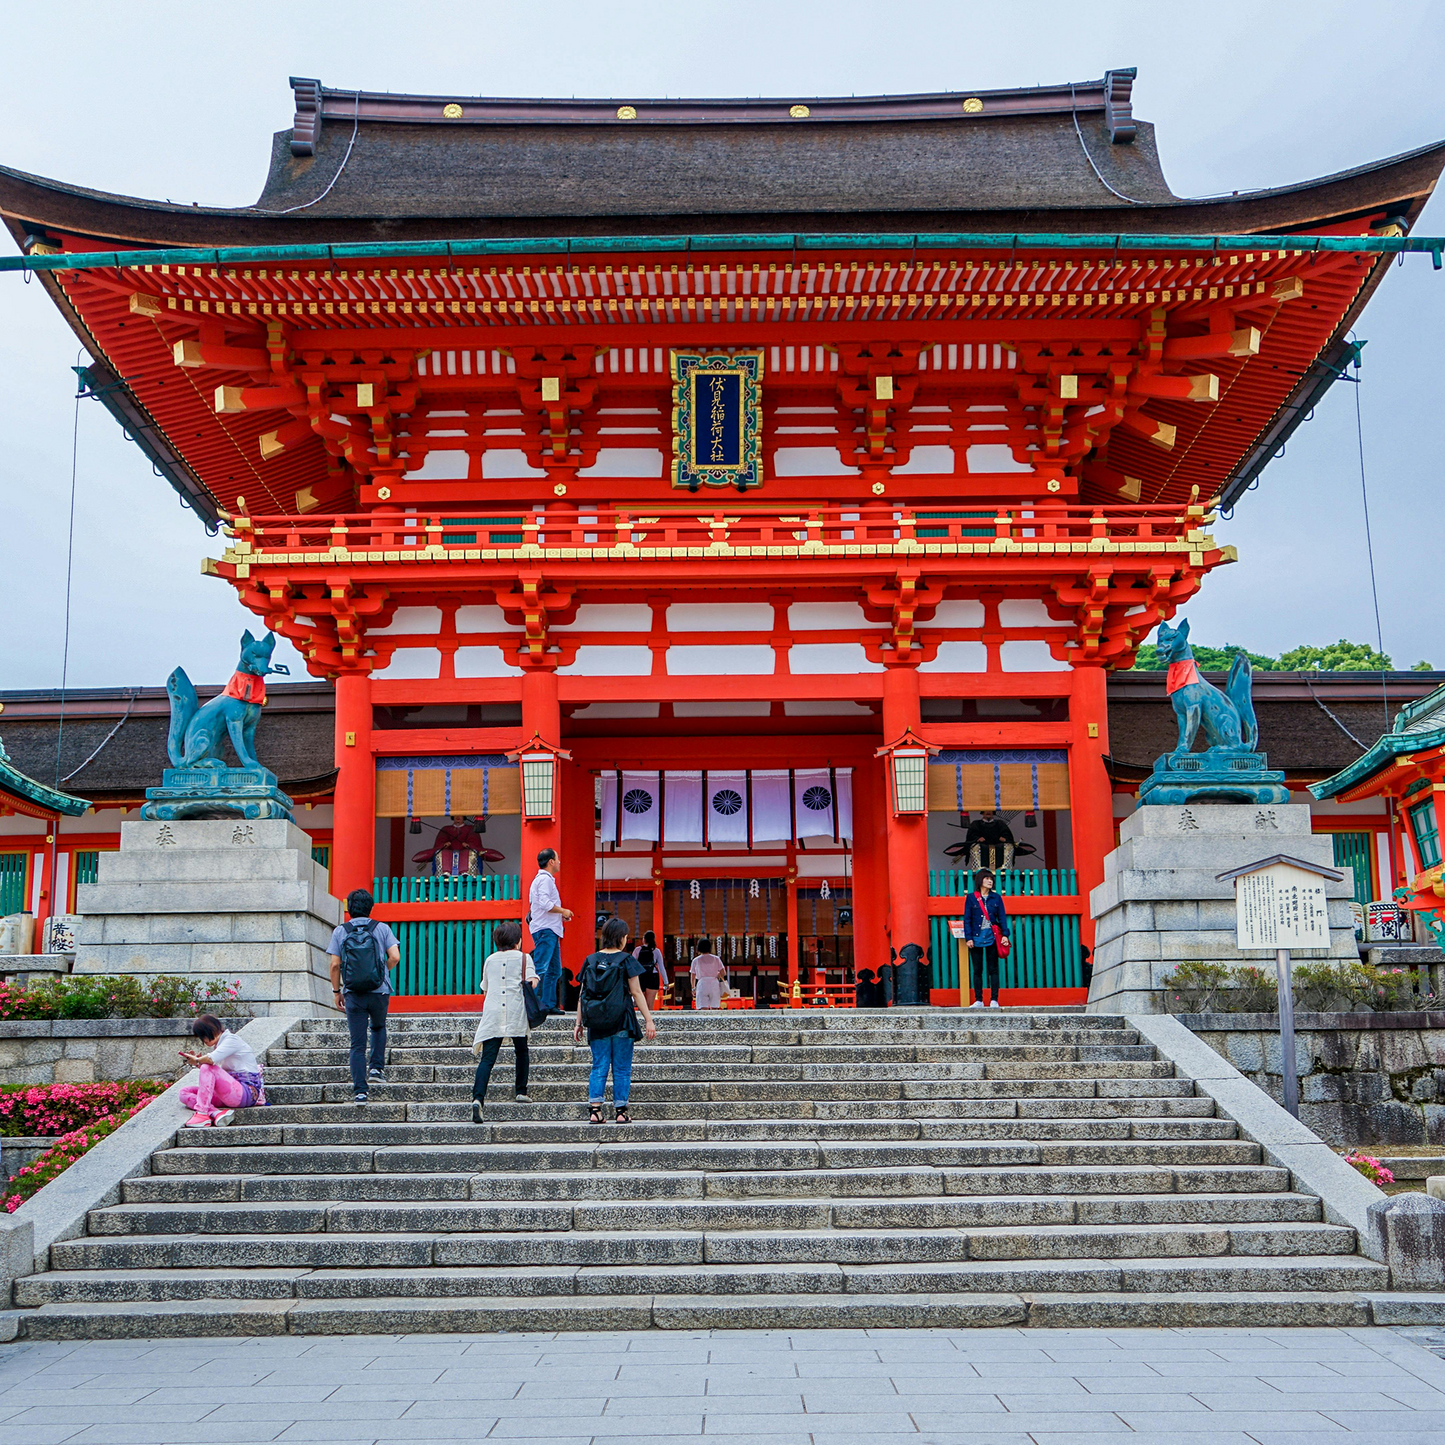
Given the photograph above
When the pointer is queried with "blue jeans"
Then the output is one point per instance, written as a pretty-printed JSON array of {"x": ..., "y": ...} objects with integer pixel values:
[
  {"x": 363, "y": 1009},
  {"x": 614, "y": 1052},
  {"x": 547, "y": 957}
]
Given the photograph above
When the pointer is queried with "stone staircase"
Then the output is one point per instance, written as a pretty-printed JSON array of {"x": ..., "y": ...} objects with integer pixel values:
[{"x": 840, "y": 1169}]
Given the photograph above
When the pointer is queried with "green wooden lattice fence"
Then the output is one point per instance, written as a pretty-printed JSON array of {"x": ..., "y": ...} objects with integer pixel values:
[
  {"x": 1352, "y": 850},
  {"x": 1045, "y": 953},
  {"x": 1012, "y": 882},
  {"x": 455, "y": 888},
  {"x": 12, "y": 882}
]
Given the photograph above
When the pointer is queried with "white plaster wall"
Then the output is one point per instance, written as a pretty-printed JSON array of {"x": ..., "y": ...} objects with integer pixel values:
[
  {"x": 484, "y": 662},
  {"x": 959, "y": 612},
  {"x": 825, "y": 707},
  {"x": 723, "y": 707},
  {"x": 829, "y": 657},
  {"x": 501, "y": 465},
  {"x": 440, "y": 466},
  {"x": 744, "y": 661},
  {"x": 1029, "y": 657},
  {"x": 1024, "y": 612},
  {"x": 958, "y": 657},
  {"x": 485, "y": 619},
  {"x": 927, "y": 461},
  {"x": 720, "y": 617},
  {"x": 609, "y": 617},
  {"x": 610, "y": 662},
  {"x": 410, "y": 619},
  {"x": 810, "y": 462},
  {"x": 625, "y": 462},
  {"x": 828, "y": 617},
  {"x": 408, "y": 663},
  {"x": 993, "y": 457},
  {"x": 597, "y": 710}
]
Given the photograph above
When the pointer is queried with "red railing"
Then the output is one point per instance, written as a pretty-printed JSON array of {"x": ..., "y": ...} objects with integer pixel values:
[{"x": 713, "y": 522}]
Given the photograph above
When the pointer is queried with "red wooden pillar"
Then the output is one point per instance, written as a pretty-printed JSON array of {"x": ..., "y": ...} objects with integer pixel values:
[
  {"x": 578, "y": 881},
  {"x": 353, "y": 836},
  {"x": 907, "y": 839},
  {"x": 1091, "y": 795},
  {"x": 870, "y": 871},
  {"x": 542, "y": 718},
  {"x": 659, "y": 920}
]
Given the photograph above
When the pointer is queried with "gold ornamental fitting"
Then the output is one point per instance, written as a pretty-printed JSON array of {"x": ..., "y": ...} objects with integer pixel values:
[
  {"x": 626, "y": 112},
  {"x": 800, "y": 112},
  {"x": 877, "y": 489},
  {"x": 452, "y": 111},
  {"x": 972, "y": 105},
  {"x": 560, "y": 490},
  {"x": 1055, "y": 485},
  {"x": 383, "y": 494}
]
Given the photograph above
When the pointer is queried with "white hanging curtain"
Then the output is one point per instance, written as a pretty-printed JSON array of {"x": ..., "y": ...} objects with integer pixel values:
[
  {"x": 844, "y": 779},
  {"x": 682, "y": 821},
  {"x": 607, "y": 803},
  {"x": 813, "y": 802},
  {"x": 641, "y": 807},
  {"x": 727, "y": 808},
  {"x": 772, "y": 814}
]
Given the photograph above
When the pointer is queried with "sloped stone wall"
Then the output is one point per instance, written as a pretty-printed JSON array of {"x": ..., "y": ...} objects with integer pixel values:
[
  {"x": 90, "y": 1051},
  {"x": 1364, "y": 1078}
]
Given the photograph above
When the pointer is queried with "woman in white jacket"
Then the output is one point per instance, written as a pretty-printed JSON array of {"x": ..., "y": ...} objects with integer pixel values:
[{"x": 504, "y": 1013}]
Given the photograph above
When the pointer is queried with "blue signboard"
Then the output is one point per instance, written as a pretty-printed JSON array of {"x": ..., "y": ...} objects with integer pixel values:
[{"x": 717, "y": 419}]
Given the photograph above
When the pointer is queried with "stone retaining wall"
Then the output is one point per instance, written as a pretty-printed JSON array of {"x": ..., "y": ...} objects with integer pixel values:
[
  {"x": 89, "y": 1051},
  {"x": 1364, "y": 1078},
  {"x": 16, "y": 1151}
]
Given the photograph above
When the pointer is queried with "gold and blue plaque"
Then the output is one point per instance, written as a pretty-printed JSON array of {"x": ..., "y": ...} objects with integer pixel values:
[{"x": 717, "y": 419}]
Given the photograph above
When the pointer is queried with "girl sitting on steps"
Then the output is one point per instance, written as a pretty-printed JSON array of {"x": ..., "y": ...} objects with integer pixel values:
[{"x": 230, "y": 1076}]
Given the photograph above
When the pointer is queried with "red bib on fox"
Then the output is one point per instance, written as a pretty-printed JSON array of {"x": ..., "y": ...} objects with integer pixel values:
[
  {"x": 250, "y": 688},
  {"x": 1181, "y": 674}
]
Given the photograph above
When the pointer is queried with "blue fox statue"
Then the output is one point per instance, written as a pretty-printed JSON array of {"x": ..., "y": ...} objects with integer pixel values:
[
  {"x": 1230, "y": 769},
  {"x": 1227, "y": 717},
  {"x": 196, "y": 731}
]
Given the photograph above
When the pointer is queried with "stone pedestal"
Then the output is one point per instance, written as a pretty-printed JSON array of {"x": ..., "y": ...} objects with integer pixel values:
[
  {"x": 230, "y": 900},
  {"x": 1160, "y": 904}
]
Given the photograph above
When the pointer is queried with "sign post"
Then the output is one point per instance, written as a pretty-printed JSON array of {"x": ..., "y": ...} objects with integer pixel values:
[{"x": 1280, "y": 904}]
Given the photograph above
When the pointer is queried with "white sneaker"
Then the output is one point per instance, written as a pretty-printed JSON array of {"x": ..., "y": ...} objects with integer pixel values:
[
  {"x": 226, "y": 1116},
  {"x": 523, "y": 1098},
  {"x": 995, "y": 1004},
  {"x": 977, "y": 1003}
]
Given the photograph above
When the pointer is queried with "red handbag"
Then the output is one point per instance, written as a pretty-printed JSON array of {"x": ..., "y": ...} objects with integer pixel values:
[{"x": 1002, "y": 944}]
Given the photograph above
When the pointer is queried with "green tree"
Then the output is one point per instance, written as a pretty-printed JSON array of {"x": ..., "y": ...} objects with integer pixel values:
[
  {"x": 1341, "y": 656},
  {"x": 1209, "y": 659},
  {"x": 1422, "y": 667}
]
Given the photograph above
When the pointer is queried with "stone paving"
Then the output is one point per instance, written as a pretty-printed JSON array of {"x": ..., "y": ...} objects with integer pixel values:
[{"x": 820, "y": 1387}]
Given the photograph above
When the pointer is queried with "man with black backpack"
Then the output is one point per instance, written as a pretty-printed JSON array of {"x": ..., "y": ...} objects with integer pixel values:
[{"x": 363, "y": 952}]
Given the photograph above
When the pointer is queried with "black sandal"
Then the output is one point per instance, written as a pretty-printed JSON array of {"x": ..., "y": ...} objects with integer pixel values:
[
  {"x": 595, "y": 1117},
  {"x": 623, "y": 1117}
]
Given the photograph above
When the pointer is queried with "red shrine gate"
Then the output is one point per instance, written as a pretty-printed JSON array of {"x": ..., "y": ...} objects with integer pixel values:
[{"x": 566, "y": 497}]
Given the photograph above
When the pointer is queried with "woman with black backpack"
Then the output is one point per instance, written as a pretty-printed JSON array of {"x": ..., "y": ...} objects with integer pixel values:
[
  {"x": 654, "y": 971},
  {"x": 610, "y": 998}
]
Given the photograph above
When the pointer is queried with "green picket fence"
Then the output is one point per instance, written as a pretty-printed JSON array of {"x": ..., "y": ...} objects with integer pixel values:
[
  {"x": 12, "y": 882},
  {"x": 442, "y": 957},
  {"x": 459, "y": 888},
  {"x": 1013, "y": 882},
  {"x": 1044, "y": 953},
  {"x": 1352, "y": 850},
  {"x": 87, "y": 866}
]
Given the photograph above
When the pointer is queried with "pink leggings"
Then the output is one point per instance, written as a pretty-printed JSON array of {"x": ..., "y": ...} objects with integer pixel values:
[{"x": 217, "y": 1090}]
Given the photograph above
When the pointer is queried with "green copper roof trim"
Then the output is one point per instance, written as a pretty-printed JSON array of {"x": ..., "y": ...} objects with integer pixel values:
[
  {"x": 1398, "y": 742},
  {"x": 14, "y": 782},
  {"x": 590, "y": 245}
]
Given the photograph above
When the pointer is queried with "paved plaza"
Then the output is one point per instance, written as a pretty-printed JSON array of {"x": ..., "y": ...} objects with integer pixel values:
[{"x": 845, "y": 1387}]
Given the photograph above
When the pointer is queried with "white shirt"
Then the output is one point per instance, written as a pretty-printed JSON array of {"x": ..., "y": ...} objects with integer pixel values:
[
  {"x": 233, "y": 1054},
  {"x": 545, "y": 903},
  {"x": 504, "y": 1014}
]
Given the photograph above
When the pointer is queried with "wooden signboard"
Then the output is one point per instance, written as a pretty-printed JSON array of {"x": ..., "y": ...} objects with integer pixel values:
[{"x": 1281, "y": 906}]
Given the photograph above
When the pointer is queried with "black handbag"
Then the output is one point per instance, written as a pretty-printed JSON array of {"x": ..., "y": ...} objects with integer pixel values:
[
  {"x": 633, "y": 1027},
  {"x": 536, "y": 1014}
]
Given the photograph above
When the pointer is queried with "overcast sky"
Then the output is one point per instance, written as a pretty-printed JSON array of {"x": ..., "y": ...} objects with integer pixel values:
[{"x": 180, "y": 103}]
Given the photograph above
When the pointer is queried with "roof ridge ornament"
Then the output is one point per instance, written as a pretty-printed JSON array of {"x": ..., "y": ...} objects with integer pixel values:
[
  {"x": 1118, "y": 107},
  {"x": 306, "y": 127}
]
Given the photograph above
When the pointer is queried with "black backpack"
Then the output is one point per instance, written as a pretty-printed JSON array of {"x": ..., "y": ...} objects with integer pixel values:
[
  {"x": 604, "y": 993},
  {"x": 362, "y": 966}
]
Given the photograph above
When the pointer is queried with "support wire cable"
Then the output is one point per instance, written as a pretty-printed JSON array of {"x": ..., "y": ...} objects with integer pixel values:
[
  {"x": 1074, "y": 108},
  {"x": 306, "y": 205},
  {"x": 1369, "y": 541}
]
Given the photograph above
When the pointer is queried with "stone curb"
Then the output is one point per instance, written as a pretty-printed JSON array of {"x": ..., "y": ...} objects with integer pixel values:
[
  {"x": 103, "y": 1028},
  {"x": 1345, "y": 1195},
  {"x": 58, "y": 1210}
]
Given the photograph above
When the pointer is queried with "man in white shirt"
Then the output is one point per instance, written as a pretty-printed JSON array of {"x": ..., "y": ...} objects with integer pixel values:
[{"x": 545, "y": 916}]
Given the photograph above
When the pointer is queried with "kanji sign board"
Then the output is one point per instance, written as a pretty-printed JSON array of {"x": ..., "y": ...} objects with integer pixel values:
[{"x": 1281, "y": 907}]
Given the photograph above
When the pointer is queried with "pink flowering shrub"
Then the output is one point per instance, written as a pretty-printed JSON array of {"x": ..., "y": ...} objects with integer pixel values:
[
  {"x": 1370, "y": 1167},
  {"x": 50, "y": 1109},
  {"x": 126, "y": 996},
  {"x": 61, "y": 1155}
]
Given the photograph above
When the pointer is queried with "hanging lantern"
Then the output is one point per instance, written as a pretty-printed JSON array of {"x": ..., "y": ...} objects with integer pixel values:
[
  {"x": 415, "y": 825},
  {"x": 908, "y": 773},
  {"x": 823, "y": 890},
  {"x": 753, "y": 889},
  {"x": 539, "y": 778},
  {"x": 1031, "y": 820},
  {"x": 694, "y": 889}
]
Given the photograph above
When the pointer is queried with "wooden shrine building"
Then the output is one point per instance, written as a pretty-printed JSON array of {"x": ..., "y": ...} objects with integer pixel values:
[{"x": 744, "y": 497}]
